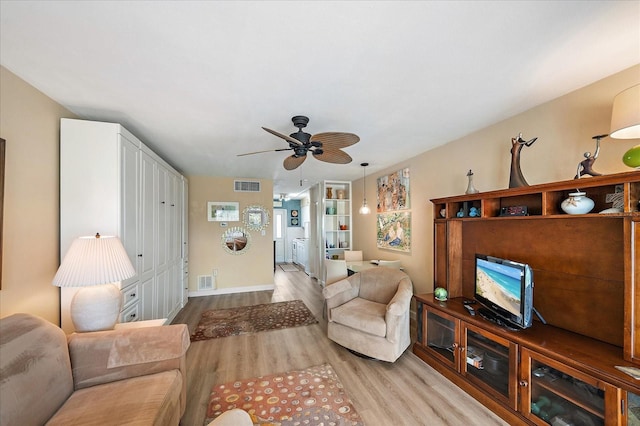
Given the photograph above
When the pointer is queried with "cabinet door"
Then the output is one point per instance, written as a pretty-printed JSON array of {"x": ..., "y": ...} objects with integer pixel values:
[
  {"x": 129, "y": 195},
  {"x": 553, "y": 393},
  {"x": 162, "y": 233},
  {"x": 441, "y": 337},
  {"x": 632, "y": 413},
  {"x": 490, "y": 363},
  {"x": 148, "y": 210},
  {"x": 148, "y": 297}
]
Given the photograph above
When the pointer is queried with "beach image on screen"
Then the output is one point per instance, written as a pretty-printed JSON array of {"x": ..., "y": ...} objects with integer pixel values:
[{"x": 499, "y": 284}]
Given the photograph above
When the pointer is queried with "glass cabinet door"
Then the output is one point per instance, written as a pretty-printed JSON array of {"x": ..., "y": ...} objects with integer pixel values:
[
  {"x": 559, "y": 395},
  {"x": 491, "y": 363},
  {"x": 633, "y": 409},
  {"x": 441, "y": 337}
]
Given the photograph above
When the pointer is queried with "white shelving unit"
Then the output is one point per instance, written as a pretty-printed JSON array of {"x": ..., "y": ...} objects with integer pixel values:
[{"x": 336, "y": 219}]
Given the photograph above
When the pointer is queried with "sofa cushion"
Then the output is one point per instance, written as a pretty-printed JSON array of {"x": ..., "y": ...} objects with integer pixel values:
[
  {"x": 34, "y": 359},
  {"x": 363, "y": 315},
  {"x": 145, "y": 400}
]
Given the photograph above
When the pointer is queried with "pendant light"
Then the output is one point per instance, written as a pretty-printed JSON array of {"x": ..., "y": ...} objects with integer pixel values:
[{"x": 364, "y": 209}]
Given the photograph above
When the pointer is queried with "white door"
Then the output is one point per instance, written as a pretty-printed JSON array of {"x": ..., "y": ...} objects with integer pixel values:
[{"x": 280, "y": 233}]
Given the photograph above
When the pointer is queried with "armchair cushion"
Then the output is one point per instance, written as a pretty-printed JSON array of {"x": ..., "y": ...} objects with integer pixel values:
[{"x": 362, "y": 314}]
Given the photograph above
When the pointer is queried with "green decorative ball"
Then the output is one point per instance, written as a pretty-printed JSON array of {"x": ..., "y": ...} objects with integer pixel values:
[
  {"x": 632, "y": 157},
  {"x": 440, "y": 293}
]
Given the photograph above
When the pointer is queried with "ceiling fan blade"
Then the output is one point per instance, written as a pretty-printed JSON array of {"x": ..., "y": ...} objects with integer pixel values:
[
  {"x": 336, "y": 156},
  {"x": 335, "y": 140},
  {"x": 285, "y": 137},
  {"x": 260, "y": 152},
  {"x": 293, "y": 162}
]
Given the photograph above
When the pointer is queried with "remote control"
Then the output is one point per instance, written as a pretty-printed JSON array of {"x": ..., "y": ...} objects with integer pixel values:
[
  {"x": 470, "y": 309},
  {"x": 468, "y": 302}
]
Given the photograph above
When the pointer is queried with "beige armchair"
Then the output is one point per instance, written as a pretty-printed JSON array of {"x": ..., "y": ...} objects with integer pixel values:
[{"x": 368, "y": 312}]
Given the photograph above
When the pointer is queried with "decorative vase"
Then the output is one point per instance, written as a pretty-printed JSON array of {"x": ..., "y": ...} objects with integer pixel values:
[
  {"x": 329, "y": 192},
  {"x": 470, "y": 188},
  {"x": 340, "y": 194},
  {"x": 577, "y": 203}
]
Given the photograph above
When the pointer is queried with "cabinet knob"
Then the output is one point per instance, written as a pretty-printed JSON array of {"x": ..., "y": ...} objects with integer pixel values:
[
  {"x": 523, "y": 383},
  {"x": 132, "y": 295},
  {"x": 454, "y": 346},
  {"x": 140, "y": 255},
  {"x": 161, "y": 202}
]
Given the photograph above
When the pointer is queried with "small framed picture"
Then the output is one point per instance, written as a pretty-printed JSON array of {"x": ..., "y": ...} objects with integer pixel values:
[{"x": 222, "y": 211}]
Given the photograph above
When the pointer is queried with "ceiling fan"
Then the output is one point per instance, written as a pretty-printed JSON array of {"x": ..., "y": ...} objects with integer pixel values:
[{"x": 325, "y": 146}]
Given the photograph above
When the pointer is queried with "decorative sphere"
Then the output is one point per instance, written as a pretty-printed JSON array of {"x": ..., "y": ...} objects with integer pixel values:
[
  {"x": 632, "y": 157},
  {"x": 440, "y": 293}
]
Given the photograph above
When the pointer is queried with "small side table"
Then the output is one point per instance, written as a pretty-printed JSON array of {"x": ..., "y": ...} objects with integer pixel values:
[{"x": 140, "y": 324}]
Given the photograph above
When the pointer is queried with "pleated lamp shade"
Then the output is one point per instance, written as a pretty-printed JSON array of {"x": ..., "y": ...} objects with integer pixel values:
[{"x": 93, "y": 261}]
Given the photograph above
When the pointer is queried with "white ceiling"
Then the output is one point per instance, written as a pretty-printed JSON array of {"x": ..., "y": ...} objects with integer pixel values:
[{"x": 196, "y": 80}]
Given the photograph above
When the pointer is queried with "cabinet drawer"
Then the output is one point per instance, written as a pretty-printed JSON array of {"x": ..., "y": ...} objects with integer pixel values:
[
  {"x": 130, "y": 295},
  {"x": 131, "y": 314}
]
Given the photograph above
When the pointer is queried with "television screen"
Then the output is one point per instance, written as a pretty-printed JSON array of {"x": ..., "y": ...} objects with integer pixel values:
[{"x": 505, "y": 288}]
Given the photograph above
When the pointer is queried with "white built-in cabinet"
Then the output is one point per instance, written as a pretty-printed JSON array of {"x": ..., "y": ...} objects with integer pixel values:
[{"x": 112, "y": 183}]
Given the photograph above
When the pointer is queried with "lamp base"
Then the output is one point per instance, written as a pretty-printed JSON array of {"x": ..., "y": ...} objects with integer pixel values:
[{"x": 96, "y": 308}]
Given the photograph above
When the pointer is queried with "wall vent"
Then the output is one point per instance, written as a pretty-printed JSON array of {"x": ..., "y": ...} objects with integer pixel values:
[
  {"x": 205, "y": 282},
  {"x": 246, "y": 186}
]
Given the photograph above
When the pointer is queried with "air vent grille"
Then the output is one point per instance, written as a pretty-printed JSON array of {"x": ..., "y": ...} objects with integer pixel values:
[
  {"x": 205, "y": 282},
  {"x": 246, "y": 186}
]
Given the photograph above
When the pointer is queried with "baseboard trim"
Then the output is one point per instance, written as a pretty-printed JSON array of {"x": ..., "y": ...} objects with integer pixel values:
[{"x": 231, "y": 290}]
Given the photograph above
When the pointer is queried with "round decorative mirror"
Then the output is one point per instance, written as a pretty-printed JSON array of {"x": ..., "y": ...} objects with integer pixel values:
[
  {"x": 256, "y": 217},
  {"x": 236, "y": 240}
]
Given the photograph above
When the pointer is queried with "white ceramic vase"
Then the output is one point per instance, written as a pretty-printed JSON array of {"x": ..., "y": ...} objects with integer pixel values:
[{"x": 577, "y": 203}]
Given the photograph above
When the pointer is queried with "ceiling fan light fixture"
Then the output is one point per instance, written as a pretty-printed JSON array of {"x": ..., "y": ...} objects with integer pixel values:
[{"x": 364, "y": 209}]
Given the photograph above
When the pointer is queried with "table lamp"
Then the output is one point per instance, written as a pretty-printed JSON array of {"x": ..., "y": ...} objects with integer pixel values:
[
  {"x": 95, "y": 263},
  {"x": 625, "y": 122}
]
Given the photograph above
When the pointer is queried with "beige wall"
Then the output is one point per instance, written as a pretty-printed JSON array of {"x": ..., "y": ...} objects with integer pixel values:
[
  {"x": 30, "y": 123},
  {"x": 253, "y": 268},
  {"x": 564, "y": 128}
]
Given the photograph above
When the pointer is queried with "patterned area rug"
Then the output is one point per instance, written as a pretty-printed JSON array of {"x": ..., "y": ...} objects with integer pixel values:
[
  {"x": 310, "y": 397},
  {"x": 252, "y": 319}
]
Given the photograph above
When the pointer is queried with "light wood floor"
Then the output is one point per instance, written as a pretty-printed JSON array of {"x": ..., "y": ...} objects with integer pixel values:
[{"x": 407, "y": 392}]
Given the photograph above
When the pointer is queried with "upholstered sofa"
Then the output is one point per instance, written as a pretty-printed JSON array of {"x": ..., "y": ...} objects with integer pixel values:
[
  {"x": 133, "y": 376},
  {"x": 368, "y": 312}
]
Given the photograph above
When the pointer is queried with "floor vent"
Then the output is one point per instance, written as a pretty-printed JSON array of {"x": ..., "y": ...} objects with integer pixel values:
[
  {"x": 205, "y": 282},
  {"x": 246, "y": 186}
]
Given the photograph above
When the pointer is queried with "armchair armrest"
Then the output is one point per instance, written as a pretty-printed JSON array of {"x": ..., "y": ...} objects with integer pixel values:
[
  {"x": 341, "y": 292},
  {"x": 107, "y": 356},
  {"x": 397, "y": 315},
  {"x": 401, "y": 301}
]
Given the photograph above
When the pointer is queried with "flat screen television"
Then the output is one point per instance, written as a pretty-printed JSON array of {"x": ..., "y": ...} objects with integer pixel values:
[{"x": 505, "y": 288}]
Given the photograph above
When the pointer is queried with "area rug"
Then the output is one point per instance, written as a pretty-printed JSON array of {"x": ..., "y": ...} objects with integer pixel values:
[
  {"x": 311, "y": 397},
  {"x": 252, "y": 319},
  {"x": 289, "y": 268}
]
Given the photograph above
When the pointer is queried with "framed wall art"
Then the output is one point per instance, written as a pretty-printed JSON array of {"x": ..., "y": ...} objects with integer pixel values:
[
  {"x": 393, "y": 191},
  {"x": 394, "y": 231},
  {"x": 222, "y": 211}
]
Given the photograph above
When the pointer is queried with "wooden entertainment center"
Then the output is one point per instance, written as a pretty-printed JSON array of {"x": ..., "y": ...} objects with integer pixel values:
[{"x": 586, "y": 271}]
